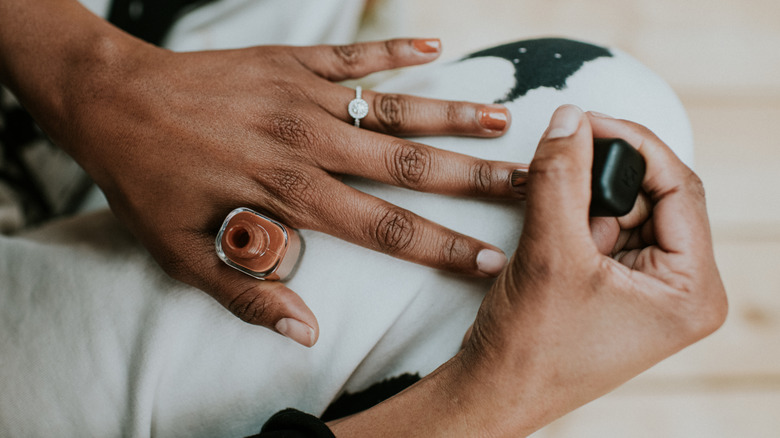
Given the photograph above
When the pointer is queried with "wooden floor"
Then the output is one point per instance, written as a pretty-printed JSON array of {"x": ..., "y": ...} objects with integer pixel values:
[{"x": 723, "y": 58}]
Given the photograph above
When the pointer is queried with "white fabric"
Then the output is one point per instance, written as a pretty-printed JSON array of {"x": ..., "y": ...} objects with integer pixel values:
[
  {"x": 95, "y": 340},
  {"x": 240, "y": 23}
]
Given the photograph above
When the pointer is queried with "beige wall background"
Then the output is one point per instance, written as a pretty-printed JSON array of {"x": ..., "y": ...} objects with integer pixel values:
[{"x": 723, "y": 58}]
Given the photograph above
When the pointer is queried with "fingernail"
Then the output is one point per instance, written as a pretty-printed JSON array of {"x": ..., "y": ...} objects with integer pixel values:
[
  {"x": 493, "y": 117},
  {"x": 598, "y": 114},
  {"x": 519, "y": 178},
  {"x": 432, "y": 45},
  {"x": 565, "y": 122},
  {"x": 490, "y": 262},
  {"x": 296, "y": 330}
]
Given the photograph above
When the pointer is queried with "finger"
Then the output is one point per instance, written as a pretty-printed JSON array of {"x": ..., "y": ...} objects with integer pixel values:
[
  {"x": 639, "y": 213},
  {"x": 558, "y": 186},
  {"x": 676, "y": 192},
  {"x": 420, "y": 167},
  {"x": 267, "y": 303},
  {"x": 400, "y": 114},
  {"x": 351, "y": 61},
  {"x": 605, "y": 232},
  {"x": 370, "y": 222},
  {"x": 612, "y": 234}
]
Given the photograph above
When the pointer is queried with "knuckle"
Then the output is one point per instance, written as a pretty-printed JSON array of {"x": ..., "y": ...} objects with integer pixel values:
[
  {"x": 348, "y": 55},
  {"x": 719, "y": 310},
  {"x": 481, "y": 177},
  {"x": 456, "y": 253},
  {"x": 642, "y": 131},
  {"x": 250, "y": 305},
  {"x": 715, "y": 315},
  {"x": 290, "y": 129},
  {"x": 392, "y": 47},
  {"x": 529, "y": 268},
  {"x": 173, "y": 265},
  {"x": 391, "y": 111},
  {"x": 409, "y": 164},
  {"x": 453, "y": 114},
  {"x": 172, "y": 256},
  {"x": 394, "y": 230},
  {"x": 294, "y": 188},
  {"x": 711, "y": 310},
  {"x": 695, "y": 184}
]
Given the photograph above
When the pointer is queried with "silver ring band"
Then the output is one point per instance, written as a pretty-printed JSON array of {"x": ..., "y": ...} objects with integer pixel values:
[{"x": 358, "y": 108}]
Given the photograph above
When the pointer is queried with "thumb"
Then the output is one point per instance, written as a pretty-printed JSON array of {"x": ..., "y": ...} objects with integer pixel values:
[
  {"x": 559, "y": 179},
  {"x": 267, "y": 303},
  {"x": 272, "y": 305}
]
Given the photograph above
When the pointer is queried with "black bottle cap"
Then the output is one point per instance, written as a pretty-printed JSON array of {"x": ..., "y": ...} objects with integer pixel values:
[{"x": 618, "y": 171}]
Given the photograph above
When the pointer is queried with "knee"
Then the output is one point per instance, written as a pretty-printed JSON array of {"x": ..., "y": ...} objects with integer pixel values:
[{"x": 555, "y": 71}]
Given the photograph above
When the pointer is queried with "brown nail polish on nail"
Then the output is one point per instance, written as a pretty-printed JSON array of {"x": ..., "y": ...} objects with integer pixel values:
[
  {"x": 428, "y": 45},
  {"x": 519, "y": 177},
  {"x": 493, "y": 117}
]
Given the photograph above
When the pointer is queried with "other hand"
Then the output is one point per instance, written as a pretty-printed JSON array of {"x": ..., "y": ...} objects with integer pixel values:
[{"x": 177, "y": 140}]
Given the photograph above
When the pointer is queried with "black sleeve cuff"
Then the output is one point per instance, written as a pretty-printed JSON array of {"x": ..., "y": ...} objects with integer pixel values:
[{"x": 292, "y": 423}]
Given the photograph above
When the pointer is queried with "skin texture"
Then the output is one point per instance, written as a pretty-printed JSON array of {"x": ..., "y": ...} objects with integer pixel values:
[
  {"x": 583, "y": 306},
  {"x": 178, "y": 140}
]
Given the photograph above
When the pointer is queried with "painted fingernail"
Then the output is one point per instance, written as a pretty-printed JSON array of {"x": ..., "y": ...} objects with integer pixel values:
[
  {"x": 490, "y": 262},
  {"x": 598, "y": 114},
  {"x": 493, "y": 117},
  {"x": 432, "y": 45},
  {"x": 296, "y": 330},
  {"x": 565, "y": 122},
  {"x": 519, "y": 177}
]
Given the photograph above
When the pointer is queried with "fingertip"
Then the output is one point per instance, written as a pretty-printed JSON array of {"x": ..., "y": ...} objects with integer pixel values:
[
  {"x": 429, "y": 47},
  {"x": 559, "y": 183},
  {"x": 298, "y": 331},
  {"x": 491, "y": 261},
  {"x": 564, "y": 122},
  {"x": 297, "y": 321},
  {"x": 270, "y": 304},
  {"x": 495, "y": 119}
]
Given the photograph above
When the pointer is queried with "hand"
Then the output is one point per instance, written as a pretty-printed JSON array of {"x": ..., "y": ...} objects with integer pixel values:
[
  {"x": 582, "y": 307},
  {"x": 177, "y": 140}
]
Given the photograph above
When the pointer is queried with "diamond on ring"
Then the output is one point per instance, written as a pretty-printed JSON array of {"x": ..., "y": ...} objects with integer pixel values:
[{"x": 358, "y": 108}]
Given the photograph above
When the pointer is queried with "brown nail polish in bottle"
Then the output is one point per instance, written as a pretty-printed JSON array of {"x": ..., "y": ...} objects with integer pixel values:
[{"x": 257, "y": 245}]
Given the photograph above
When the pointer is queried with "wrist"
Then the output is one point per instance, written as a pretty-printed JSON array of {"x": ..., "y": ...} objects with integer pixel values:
[
  {"x": 49, "y": 50},
  {"x": 460, "y": 398},
  {"x": 499, "y": 395}
]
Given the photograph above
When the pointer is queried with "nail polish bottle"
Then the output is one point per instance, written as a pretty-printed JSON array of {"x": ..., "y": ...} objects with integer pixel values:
[{"x": 257, "y": 245}]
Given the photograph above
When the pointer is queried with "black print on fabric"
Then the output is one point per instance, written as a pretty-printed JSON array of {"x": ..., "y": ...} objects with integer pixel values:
[{"x": 546, "y": 62}]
